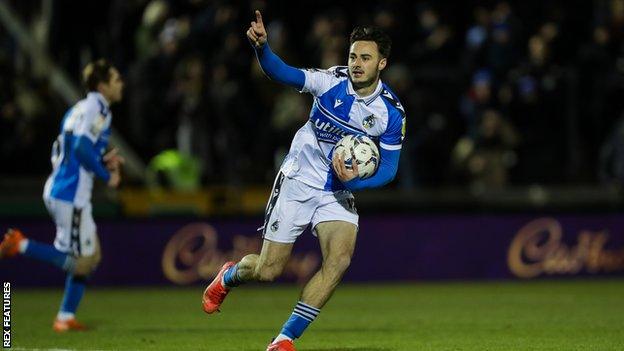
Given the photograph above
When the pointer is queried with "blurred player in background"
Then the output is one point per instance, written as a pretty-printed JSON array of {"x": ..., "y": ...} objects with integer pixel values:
[
  {"x": 313, "y": 186},
  {"x": 78, "y": 155}
]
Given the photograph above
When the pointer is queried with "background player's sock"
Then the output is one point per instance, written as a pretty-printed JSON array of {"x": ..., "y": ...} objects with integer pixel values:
[
  {"x": 302, "y": 316},
  {"x": 231, "y": 278},
  {"x": 46, "y": 253},
  {"x": 74, "y": 289}
]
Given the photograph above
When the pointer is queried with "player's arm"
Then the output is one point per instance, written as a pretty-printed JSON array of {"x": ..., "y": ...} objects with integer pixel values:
[
  {"x": 86, "y": 155},
  {"x": 388, "y": 166},
  {"x": 271, "y": 64},
  {"x": 390, "y": 151},
  {"x": 86, "y": 152}
]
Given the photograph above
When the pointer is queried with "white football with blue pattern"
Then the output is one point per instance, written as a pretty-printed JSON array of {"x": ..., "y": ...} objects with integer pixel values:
[{"x": 363, "y": 149}]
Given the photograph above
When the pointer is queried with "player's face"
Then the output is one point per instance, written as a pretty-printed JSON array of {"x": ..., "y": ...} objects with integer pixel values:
[
  {"x": 113, "y": 90},
  {"x": 365, "y": 63}
]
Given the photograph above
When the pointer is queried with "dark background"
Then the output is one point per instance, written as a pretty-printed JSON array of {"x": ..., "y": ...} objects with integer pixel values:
[{"x": 534, "y": 86}]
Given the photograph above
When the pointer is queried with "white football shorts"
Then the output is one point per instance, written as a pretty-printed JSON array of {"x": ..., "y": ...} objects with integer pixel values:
[
  {"x": 293, "y": 205},
  {"x": 75, "y": 228}
]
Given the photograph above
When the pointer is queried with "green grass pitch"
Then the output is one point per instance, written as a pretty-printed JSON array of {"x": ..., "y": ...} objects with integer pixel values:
[{"x": 539, "y": 315}]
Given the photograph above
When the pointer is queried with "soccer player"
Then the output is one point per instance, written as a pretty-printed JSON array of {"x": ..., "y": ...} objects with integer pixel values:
[
  {"x": 77, "y": 157},
  {"x": 313, "y": 186}
]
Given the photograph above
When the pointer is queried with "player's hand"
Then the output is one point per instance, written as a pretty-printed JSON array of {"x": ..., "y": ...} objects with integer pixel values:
[
  {"x": 112, "y": 160},
  {"x": 341, "y": 170},
  {"x": 115, "y": 178},
  {"x": 257, "y": 34}
]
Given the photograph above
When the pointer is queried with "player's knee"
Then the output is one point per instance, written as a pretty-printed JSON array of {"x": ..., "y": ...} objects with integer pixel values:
[
  {"x": 337, "y": 265},
  {"x": 248, "y": 262},
  {"x": 82, "y": 268},
  {"x": 85, "y": 265}
]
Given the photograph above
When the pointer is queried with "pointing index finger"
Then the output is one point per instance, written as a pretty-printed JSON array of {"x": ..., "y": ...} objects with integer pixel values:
[{"x": 258, "y": 17}]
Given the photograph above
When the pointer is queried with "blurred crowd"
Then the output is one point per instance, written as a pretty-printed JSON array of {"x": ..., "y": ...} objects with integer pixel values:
[{"x": 497, "y": 93}]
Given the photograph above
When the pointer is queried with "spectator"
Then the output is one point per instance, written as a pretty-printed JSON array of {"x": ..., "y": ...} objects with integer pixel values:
[
  {"x": 486, "y": 157},
  {"x": 188, "y": 73}
]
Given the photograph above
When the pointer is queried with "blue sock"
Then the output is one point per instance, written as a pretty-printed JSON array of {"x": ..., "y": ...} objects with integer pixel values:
[
  {"x": 299, "y": 320},
  {"x": 231, "y": 278},
  {"x": 74, "y": 289},
  {"x": 49, "y": 254}
]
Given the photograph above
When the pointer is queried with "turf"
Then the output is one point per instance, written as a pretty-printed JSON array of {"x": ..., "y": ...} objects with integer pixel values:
[{"x": 539, "y": 315}]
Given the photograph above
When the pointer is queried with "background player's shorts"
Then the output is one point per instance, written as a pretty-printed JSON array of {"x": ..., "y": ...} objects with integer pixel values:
[
  {"x": 75, "y": 228},
  {"x": 293, "y": 205}
]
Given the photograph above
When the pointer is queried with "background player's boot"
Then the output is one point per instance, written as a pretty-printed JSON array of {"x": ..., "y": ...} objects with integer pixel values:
[
  {"x": 60, "y": 326},
  {"x": 284, "y": 345},
  {"x": 9, "y": 246},
  {"x": 215, "y": 293}
]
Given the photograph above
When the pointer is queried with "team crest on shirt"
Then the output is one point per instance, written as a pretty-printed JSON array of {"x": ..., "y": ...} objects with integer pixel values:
[{"x": 369, "y": 122}]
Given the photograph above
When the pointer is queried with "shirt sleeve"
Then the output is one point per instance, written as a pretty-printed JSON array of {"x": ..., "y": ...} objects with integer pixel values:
[
  {"x": 91, "y": 123},
  {"x": 89, "y": 158},
  {"x": 318, "y": 81},
  {"x": 278, "y": 70},
  {"x": 392, "y": 138},
  {"x": 87, "y": 129}
]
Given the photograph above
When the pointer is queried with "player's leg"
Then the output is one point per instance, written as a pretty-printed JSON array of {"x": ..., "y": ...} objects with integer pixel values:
[
  {"x": 47, "y": 253},
  {"x": 335, "y": 222},
  {"x": 75, "y": 286},
  {"x": 337, "y": 240},
  {"x": 15, "y": 242},
  {"x": 289, "y": 211},
  {"x": 85, "y": 244},
  {"x": 264, "y": 267}
]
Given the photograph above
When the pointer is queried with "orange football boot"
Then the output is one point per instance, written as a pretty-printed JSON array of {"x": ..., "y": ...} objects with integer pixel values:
[
  {"x": 60, "y": 326},
  {"x": 215, "y": 293},
  {"x": 284, "y": 345},
  {"x": 9, "y": 247}
]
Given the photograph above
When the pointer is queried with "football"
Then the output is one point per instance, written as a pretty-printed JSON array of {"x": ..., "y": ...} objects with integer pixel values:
[{"x": 363, "y": 149}]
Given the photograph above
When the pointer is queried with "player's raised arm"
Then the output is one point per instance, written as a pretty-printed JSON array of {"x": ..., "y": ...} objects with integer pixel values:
[{"x": 271, "y": 64}]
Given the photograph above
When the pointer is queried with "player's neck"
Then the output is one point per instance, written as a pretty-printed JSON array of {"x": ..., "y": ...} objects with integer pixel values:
[
  {"x": 104, "y": 97},
  {"x": 366, "y": 91}
]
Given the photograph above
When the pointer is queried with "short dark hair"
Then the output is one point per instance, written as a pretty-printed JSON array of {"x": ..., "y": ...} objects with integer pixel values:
[
  {"x": 370, "y": 33},
  {"x": 95, "y": 73}
]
